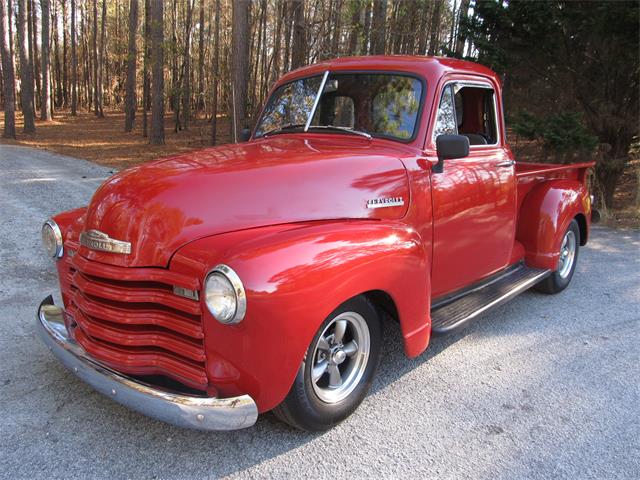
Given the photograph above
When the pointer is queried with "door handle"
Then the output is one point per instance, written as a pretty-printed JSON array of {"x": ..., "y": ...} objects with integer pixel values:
[{"x": 508, "y": 163}]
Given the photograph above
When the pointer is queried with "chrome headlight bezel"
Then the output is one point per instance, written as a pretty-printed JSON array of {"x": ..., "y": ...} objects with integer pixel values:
[
  {"x": 51, "y": 228},
  {"x": 229, "y": 275}
]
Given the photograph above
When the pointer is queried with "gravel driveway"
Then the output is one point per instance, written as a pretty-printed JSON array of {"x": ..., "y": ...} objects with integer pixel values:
[{"x": 543, "y": 387}]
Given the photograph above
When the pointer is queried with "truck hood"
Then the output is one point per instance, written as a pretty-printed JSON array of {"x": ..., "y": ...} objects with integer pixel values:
[{"x": 160, "y": 206}]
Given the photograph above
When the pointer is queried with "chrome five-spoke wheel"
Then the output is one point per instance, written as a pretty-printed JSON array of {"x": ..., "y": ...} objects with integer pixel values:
[
  {"x": 337, "y": 369},
  {"x": 340, "y": 357},
  {"x": 567, "y": 260},
  {"x": 567, "y": 254}
]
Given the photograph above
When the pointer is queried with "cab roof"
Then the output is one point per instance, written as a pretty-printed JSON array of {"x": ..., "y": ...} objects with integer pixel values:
[{"x": 429, "y": 68}]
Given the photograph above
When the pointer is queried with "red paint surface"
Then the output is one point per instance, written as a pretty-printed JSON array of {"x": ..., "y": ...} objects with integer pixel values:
[{"x": 288, "y": 214}]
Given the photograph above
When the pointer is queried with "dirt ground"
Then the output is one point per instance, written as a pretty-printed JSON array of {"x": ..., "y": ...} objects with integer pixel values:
[{"x": 104, "y": 141}]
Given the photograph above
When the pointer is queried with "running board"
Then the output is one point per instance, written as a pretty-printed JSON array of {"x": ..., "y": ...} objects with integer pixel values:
[{"x": 456, "y": 311}]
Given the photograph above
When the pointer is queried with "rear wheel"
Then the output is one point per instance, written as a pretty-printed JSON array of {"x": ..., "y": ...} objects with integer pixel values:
[
  {"x": 569, "y": 247},
  {"x": 337, "y": 370}
]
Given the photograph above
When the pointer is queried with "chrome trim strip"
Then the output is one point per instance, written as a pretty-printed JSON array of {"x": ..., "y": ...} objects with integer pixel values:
[
  {"x": 508, "y": 163},
  {"x": 316, "y": 100},
  {"x": 97, "y": 240},
  {"x": 200, "y": 413}
]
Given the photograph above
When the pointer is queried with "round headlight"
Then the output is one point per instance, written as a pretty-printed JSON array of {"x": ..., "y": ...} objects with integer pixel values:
[
  {"x": 52, "y": 239},
  {"x": 224, "y": 295}
]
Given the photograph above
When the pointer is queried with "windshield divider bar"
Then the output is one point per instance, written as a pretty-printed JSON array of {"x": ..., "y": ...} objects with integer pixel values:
[{"x": 317, "y": 100}]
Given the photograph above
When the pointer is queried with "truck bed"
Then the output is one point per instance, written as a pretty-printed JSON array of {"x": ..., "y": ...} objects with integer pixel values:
[{"x": 531, "y": 174}]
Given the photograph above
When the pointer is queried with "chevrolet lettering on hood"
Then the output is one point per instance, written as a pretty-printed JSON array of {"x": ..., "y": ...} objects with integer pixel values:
[
  {"x": 97, "y": 240},
  {"x": 385, "y": 202}
]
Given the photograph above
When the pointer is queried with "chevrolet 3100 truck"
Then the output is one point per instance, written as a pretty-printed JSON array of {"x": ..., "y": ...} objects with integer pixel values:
[{"x": 205, "y": 288}]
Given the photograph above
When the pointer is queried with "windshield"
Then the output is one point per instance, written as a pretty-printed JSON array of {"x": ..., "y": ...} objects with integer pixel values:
[{"x": 378, "y": 104}]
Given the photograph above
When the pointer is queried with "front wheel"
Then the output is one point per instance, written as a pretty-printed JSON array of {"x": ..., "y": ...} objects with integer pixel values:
[
  {"x": 569, "y": 247},
  {"x": 338, "y": 368}
]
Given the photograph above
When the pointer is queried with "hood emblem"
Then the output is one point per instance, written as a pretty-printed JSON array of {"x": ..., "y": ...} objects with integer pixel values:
[
  {"x": 97, "y": 240},
  {"x": 383, "y": 202}
]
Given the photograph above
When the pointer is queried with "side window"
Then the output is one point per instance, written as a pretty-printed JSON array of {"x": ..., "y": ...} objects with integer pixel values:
[
  {"x": 446, "y": 118},
  {"x": 476, "y": 114}
]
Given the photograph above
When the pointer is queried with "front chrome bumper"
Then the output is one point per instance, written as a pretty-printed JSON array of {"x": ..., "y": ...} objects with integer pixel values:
[{"x": 202, "y": 413}]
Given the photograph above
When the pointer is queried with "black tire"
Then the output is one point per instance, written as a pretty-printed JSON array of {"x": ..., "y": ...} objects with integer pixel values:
[
  {"x": 303, "y": 408},
  {"x": 556, "y": 282}
]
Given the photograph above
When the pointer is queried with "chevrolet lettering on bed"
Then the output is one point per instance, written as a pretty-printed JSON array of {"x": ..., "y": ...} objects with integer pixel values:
[{"x": 206, "y": 288}]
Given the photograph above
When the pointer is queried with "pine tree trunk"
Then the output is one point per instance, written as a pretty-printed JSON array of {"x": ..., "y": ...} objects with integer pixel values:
[
  {"x": 56, "y": 58},
  {"x": 461, "y": 37},
  {"x": 186, "y": 90},
  {"x": 65, "y": 48},
  {"x": 200, "y": 102},
  {"x": 35, "y": 57},
  {"x": 94, "y": 57},
  {"x": 240, "y": 64},
  {"x": 101, "y": 57},
  {"x": 354, "y": 34},
  {"x": 378, "y": 27},
  {"x": 216, "y": 74},
  {"x": 157, "y": 66},
  {"x": 277, "y": 39},
  {"x": 435, "y": 29},
  {"x": 74, "y": 62},
  {"x": 8, "y": 74},
  {"x": 174, "y": 94},
  {"x": 288, "y": 28},
  {"x": 26, "y": 73},
  {"x": 299, "y": 43},
  {"x": 367, "y": 29},
  {"x": 130, "y": 102},
  {"x": 45, "y": 99},
  {"x": 146, "y": 81}
]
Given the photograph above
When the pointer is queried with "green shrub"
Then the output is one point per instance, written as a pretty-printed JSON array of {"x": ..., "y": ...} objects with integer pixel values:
[{"x": 560, "y": 133}]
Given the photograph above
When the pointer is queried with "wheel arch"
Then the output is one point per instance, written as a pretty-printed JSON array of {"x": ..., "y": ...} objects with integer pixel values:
[
  {"x": 545, "y": 215},
  {"x": 294, "y": 277}
]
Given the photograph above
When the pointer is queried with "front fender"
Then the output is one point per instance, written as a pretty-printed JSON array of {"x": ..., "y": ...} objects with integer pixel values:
[
  {"x": 294, "y": 277},
  {"x": 544, "y": 217}
]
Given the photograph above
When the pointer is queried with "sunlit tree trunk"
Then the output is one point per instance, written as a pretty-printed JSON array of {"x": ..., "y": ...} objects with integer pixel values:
[
  {"x": 298, "y": 46},
  {"x": 8, "y": 74},
  {"x": 26, "y": 72},
  {"x": 216, "y": 75},
  {"x": 45, "y": 100},
  {"x": 132, "y": 52},
  {"x": 157, "y": 66},
  {"x": 378, "y": 27},
  {"x": 74, "y": 62},
  {"x": 240, "y": 64}
]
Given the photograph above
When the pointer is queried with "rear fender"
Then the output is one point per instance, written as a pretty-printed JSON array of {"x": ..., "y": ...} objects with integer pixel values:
[
  {"x": 544, "y": 217},
  {"x": 294, "y": 278}
]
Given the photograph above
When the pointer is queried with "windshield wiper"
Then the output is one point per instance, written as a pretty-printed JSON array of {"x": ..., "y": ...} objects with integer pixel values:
[
  {"x": 284, "y": 128},
  {"x": 343, "y": 129}
]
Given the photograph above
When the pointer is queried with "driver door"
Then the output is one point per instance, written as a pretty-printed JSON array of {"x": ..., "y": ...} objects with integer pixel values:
[{"x": 474, "y": 198}]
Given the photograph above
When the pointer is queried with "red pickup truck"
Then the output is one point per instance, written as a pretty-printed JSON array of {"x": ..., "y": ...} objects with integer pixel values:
[{"x": 205, "y": 288}]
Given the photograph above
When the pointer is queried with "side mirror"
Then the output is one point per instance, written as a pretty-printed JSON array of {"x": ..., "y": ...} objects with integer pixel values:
[
  {"x": 245, "y": 135},
  {"x": 450, "y": 147}
]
